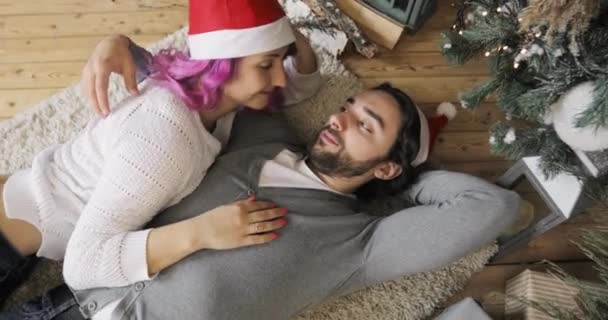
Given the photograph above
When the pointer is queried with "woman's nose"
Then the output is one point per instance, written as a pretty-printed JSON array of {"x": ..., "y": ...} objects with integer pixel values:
[{"x": 278, "y": 77}]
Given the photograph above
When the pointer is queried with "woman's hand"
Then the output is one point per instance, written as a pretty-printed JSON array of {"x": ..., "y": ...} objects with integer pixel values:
[
  {"x": 243, "y": 223},
  {"x": 306, "y": 59},
  {"x": 110, "y": 55}
]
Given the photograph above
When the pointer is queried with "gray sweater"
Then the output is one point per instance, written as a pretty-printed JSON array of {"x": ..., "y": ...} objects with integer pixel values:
[{"x": 329, "y": 247}]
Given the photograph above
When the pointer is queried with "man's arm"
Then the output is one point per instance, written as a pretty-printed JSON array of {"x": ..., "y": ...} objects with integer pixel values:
[{"x": 454, "y": 215}]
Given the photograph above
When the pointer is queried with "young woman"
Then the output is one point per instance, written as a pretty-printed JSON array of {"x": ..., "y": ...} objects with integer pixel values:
[{"x": 86, "y": 201}]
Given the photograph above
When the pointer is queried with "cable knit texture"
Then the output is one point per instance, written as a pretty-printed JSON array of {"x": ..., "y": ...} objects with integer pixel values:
[{"x": 120, "y": 171}]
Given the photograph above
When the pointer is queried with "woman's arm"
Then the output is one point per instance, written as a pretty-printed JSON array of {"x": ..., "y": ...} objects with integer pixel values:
[
  {"x": 306, "y": 59},
  {"x": 226, "y": 227},
  {"x": 302, "y": 70},
  {"x": 142, "y": 176}
]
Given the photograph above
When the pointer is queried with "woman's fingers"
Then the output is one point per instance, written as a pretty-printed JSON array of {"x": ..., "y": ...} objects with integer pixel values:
[
  {"x": 251, "y": 205},
  {"x": 88, "y": 87},
  {"x": 267, "y": 214},
  {"x": 260, "y": 238},
  {"x": 102, "y": 78},
  {"x": 267, "y": 226},
  {"x": 129, "y": 75}
]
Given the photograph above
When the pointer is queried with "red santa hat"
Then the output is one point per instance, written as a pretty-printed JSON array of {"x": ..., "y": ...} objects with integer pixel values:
[
  {"x": 221, "y": 29},
  {"x": 429, "y": 130}
]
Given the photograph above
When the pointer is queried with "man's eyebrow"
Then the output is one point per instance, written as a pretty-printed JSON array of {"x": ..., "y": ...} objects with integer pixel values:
[{"x": 375, "y": 116}]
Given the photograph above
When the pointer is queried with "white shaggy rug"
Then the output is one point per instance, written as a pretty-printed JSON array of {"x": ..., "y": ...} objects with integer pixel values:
[{"x": 64, "y": 114}]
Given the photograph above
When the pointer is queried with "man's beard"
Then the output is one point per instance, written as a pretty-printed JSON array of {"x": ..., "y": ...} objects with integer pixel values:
[{"x": 338, "y": 164}]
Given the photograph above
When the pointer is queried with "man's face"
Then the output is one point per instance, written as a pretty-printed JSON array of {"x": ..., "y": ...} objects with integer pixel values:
[{"x": 359, "y": 137}]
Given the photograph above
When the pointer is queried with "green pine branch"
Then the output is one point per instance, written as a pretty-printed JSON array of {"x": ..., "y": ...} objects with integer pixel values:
[{"x": 597, "y": 114}]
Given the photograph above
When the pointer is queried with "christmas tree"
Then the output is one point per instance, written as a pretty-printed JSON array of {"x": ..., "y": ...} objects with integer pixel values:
[{"x": 548, "y": 62}]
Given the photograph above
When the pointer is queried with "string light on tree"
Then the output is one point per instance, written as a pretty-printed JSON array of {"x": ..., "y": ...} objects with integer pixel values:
[{"x": 510, "y": 136}]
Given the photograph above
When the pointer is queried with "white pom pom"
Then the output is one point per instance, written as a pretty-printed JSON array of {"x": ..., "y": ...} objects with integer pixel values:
[
  {"x": 447, "y": 109},
  {"x": 510, "y": 136}
]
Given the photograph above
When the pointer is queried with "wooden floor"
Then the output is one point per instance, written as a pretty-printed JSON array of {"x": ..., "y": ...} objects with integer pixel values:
[{"x": 44, "y": 44}]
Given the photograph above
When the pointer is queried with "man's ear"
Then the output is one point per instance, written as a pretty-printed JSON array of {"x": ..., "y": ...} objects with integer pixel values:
[{"x": 387, "y": 170}]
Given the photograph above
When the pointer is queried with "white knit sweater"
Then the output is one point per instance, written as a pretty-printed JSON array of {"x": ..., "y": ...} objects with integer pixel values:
[
  {"x": 110, "y": 180},
  {"x": 95, "y": 193}
]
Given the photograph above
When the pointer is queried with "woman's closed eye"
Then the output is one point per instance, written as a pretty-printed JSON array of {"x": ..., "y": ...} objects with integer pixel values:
[{"x": 266, "y": 65}]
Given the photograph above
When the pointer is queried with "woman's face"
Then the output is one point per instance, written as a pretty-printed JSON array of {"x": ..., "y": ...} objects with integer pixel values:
[{"x": 256, "y": 77}]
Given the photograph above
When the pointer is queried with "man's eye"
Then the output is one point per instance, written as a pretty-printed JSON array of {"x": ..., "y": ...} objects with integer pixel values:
[
  {"x": 364, "y": 126},
  {"x": 266, "y": 65}
]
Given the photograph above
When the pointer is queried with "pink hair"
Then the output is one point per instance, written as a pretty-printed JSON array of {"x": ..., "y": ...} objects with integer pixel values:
[{"x": 197, "y": 82}]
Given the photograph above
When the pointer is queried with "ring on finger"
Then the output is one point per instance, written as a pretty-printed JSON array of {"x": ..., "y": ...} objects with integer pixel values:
[{"x": 259, "y": 227}]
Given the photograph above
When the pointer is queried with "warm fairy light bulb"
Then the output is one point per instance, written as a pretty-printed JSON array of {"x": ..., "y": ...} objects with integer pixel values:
[
  {"x": 485, "y": 13},
  {"x": 524, "y": 51},
  {"x": 505, "y": 48},
  {"x": 460, "y": 32},
  {"x": 499, "y": 10},
  {"x": 487, "y": 53},
  {"x": 516, "y": 65},
  {"x": 538, "y": 34}
]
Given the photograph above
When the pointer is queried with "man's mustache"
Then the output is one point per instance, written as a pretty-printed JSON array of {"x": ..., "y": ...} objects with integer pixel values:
[{"x": 335, "y": 134}]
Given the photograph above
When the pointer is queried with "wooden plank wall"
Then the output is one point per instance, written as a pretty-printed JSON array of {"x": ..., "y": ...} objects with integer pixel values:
[{"x": 44, "y": 45}]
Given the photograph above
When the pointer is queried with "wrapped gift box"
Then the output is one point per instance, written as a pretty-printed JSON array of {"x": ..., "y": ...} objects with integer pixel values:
[
  {"x": 541, "y": 287},
  {"x": 465, "y": 309}
]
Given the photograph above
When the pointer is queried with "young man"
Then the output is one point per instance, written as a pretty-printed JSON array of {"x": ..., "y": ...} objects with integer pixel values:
[{"x": 329, "y": 246}]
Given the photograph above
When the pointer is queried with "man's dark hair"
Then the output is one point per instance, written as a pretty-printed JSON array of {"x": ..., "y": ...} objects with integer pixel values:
[{"x": 403, "y": 151}]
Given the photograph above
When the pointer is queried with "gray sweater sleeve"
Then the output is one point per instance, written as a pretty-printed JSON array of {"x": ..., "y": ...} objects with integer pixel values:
[{"x": 454, "y": 215}]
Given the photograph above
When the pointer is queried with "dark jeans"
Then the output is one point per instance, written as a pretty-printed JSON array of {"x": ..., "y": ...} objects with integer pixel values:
[
  {"x": 13, "y": 268},
  {"x": 58, "y": 303}
]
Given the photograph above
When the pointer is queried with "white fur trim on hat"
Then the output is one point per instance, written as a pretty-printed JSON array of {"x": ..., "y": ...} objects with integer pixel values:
[
  {"x": 236, "y": 43},
  {"x": 425, "y": 137}
]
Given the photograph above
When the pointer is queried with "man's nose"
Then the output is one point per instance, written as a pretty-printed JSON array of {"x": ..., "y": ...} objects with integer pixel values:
[
  {"x": 278, "y": 77},
  {"x": 337, "y": 122}
]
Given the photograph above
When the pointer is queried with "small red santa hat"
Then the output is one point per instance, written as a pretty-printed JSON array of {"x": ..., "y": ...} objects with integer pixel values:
[
  {"x": 429, "y": 130},
  {"x": 221, "y": 29}
]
